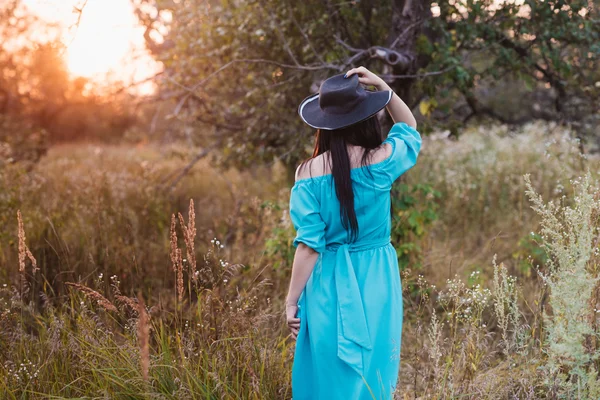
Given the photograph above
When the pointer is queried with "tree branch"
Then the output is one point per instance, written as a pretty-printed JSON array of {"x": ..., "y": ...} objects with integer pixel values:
[{"x": 206, "y": 151}]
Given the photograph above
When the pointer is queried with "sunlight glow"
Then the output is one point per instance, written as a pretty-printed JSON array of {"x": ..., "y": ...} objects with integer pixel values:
[
  {"x": 103, "y": 39},
  {"x": 106, "y": 45}
]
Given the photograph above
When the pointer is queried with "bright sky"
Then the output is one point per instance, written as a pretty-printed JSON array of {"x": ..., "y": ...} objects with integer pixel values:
[{"x": 107, "y": 45}]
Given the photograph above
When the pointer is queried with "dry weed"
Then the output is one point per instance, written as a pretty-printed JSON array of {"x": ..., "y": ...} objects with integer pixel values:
[
  {"x": 189, "y": 235},
  {"x": 24, "y": 251},
  {"x": 93, "y": 295},
  {"x": 143, "y": 334}
]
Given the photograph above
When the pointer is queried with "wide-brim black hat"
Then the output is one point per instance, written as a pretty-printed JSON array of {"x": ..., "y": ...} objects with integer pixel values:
[{"x": 342, "y": 102}]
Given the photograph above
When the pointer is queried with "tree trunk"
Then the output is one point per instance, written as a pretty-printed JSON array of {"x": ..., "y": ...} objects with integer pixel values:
[{"x": 408, "y": 20}]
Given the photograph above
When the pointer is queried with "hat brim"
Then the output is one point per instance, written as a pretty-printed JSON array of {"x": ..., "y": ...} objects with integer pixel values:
[{"x": 313, "y": 115}]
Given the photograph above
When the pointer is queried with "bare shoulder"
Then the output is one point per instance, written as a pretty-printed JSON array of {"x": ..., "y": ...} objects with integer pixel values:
[
  {"x": 314, "y": 167},
  {"x": 381, "y": 153},
  {"x": 321, "y": 165}
]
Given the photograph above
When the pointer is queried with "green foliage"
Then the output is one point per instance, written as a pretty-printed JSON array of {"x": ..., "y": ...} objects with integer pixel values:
[
  {"x": 242, "y": 67},
  {"x": 278, "y": 246},
  {"x": 570, "y": 231},
  {"x": 551, "y": 43},
  {"x": 251, "y": 56},
  {"x": 414, "y": 210},
  {"x": 530, "y": 253}
]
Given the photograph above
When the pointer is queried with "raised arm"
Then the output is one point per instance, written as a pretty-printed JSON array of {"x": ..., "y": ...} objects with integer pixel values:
[{"x": 398, "y": 110}]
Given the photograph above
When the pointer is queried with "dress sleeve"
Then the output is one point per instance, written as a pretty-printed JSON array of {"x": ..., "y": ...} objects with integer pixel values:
[
  {"x": 406, "y": 144},
  {"x": 306, "y": 217}
]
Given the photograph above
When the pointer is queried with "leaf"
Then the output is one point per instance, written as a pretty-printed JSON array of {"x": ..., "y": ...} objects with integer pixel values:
[{"x": 424, "y": 107}]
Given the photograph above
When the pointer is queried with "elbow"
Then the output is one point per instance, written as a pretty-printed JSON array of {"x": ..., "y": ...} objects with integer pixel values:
[
  {"x": 306, "y": 249},
  {"x": 412, "y": 123}
]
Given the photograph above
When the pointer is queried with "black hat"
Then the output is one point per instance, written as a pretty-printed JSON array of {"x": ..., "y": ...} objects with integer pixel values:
[{"x": 341, "y": 102}]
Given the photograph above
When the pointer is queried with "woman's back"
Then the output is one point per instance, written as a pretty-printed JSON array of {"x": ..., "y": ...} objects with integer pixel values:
[{"x": 371, "y": 185}]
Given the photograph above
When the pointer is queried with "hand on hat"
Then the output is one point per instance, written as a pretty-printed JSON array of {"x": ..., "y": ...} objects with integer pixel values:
[{"x": 366, "y": 77}]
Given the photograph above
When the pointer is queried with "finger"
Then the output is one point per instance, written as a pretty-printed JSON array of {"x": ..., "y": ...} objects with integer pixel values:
[
  {"x": 363, "y": 75},
  {"x": 294, "y": 325},
  {"x": 351, "y": 72},
  {"x": 293, "y": 320}
]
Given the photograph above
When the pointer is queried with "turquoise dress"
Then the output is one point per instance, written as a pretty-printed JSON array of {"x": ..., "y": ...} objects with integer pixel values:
[{"x": 348, "y": 345}]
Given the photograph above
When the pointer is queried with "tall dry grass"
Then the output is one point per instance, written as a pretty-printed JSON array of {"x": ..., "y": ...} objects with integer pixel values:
[
  {"x": 104, "y": 209},
  {"x": 218, "y": 342},
  {"x": 484, "y": 209}
]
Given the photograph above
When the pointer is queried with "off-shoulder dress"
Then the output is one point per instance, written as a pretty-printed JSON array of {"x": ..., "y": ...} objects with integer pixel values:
[{"x": 348, "y": 345}]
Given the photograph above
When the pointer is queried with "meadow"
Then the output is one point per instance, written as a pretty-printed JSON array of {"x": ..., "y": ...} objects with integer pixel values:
[{"x": 117, "y": 285}]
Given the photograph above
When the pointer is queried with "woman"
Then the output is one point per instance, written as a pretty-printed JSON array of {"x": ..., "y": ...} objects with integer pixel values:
[{"x": 344, "y": 305}]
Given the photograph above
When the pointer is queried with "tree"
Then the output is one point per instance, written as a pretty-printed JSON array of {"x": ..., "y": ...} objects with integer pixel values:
[
  {"x": 40, "y": 102},
  {"x": 238, "y": 69}
]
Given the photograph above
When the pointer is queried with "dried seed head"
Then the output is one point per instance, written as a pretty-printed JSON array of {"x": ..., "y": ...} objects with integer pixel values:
[
  {"x": 173, "y": 243},
  {"x": 179, "y": 275},
  {"x": 24, "y": 251},
  {"x": 93, "y": 295},
  {"x": 189, "y": 235},
  {"x": 143, "y": 334},
  {"x": 128, "y": 301}
]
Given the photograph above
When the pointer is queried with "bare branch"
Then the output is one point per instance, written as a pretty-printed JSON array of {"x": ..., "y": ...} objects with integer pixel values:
[
  {"x": 405, "y": 32},
  {"x": 346, "y": 45},
  {"x": 192, "y": 90},
  {"x": 417, "y": 76},
  {"x": 284, "y": 41},
  {"x": 79, "y": 11},
  {"x": 291, "y": 14},
  {"x": 206, "y": 151},
  {"x": 140, "y": 82},
  {"x": 288, "y": 50}
]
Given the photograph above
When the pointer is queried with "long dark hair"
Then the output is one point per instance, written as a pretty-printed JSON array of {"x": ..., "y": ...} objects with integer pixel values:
[{"x": 366, "y": 134}]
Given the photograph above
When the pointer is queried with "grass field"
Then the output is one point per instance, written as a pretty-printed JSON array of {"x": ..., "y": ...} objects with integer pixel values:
[{"x": 115, "y": 286}]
